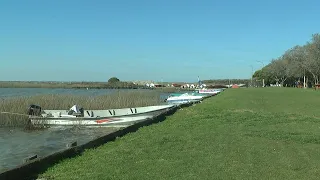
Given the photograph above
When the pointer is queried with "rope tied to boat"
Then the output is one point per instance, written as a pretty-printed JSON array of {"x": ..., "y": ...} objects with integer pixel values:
[{"x": 12, "y": 113}]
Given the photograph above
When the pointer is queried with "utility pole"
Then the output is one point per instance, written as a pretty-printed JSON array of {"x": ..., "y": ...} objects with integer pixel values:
[
  {"x": 304, "y": 79},
  {"x": 251, "y": 73},
  {"x": 261, "y": 71}
]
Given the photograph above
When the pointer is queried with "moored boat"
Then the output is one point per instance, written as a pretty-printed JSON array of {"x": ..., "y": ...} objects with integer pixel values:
[
  {"x": 195, "y": 93},
  {"x": 210, "y": 91},
  {"x": 79, "y": 116},
  {"x": 184, "y": 98}
]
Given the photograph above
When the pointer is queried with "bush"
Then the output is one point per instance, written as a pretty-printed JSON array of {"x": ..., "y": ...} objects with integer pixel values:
[{"x": 113, "y": 80}]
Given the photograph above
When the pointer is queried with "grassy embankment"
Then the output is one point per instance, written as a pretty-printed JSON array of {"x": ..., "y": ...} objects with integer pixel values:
[
  {"x": 271, "y": 133},
  {"x": 116, "y": 100}
]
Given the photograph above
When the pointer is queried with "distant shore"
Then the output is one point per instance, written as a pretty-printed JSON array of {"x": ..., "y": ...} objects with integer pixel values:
[
  {"x": 106, "y": 85},
  {"x": 84, "y": 85},
  {"x": 69, "y": 85}
]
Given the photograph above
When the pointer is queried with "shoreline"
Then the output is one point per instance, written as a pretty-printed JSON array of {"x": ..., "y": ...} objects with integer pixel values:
[
  {"x": 34, "y": 165},
  {"x": 233, "y": 136}
]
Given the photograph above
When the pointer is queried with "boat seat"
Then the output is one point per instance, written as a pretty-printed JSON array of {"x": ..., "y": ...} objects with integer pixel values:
[{"x": 77, "y": 114}]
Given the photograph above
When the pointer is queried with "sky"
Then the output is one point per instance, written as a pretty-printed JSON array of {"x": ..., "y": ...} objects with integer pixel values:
[{"x": 165, "y": 40}]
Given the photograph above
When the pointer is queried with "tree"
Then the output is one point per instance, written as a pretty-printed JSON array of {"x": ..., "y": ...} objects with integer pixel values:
[
  {"x": 296, "y": 63},
  {"x": 113, "y": 80},
  {"x": 265, "y": 74},
  {"x": 257, "y": 74},
  {"x": 294, "y": 60},
  {"x": 313, "y": 59},
  {"x": 279, "y": 70}
]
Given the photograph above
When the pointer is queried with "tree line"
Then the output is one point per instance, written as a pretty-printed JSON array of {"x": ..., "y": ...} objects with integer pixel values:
[{"x": 296, "y": 64}]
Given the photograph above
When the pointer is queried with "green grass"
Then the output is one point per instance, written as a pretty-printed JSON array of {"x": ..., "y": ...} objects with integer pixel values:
[{"x": 271, "y": 133}]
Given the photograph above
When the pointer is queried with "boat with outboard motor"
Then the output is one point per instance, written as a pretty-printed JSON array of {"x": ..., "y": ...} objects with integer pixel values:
[{"x": 79, "y": 116}]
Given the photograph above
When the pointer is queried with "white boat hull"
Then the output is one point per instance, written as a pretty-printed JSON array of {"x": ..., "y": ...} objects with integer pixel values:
[
  {"x": 184, "y": 98},
  {"x": 110, "y": 117},
  {"x": 181, "y": 101},
  {"x": 121, "y": 121},
  {"x": 209, "y": 91}
]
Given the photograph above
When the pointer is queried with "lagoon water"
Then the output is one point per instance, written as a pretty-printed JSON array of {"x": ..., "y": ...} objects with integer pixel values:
[
  {"x": 17, "y": 144},
  {"x": 16, "y": 92}
]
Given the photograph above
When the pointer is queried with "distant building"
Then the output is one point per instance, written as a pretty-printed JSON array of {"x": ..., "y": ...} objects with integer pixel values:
[
  {"x": 235, "y": 86},
  {"x": 175, "y": 85}
]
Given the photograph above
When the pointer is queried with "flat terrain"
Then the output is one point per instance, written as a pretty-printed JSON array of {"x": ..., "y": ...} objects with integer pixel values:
[{"x": 271, "y": 133}]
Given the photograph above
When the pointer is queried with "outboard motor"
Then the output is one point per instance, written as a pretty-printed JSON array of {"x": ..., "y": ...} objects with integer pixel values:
[{"x": 34, "y": 110}]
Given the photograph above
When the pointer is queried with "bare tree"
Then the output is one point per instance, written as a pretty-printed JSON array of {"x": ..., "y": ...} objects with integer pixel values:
[
  {"x": 299, "y": 61},
  {"x": 312, "y": 61},
  {"x": 296, "y": 61},
  {"x": 279, "y": 70}
]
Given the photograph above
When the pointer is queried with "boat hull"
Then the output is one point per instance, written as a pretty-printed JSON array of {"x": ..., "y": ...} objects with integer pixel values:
[
  {"x": 184, "y": 98},
  {"x": 209, "y": 91},
  {"x": 102, "y": 121},
  {"x": 125, "y": 116},
  {"x": 181, "y": 101},
  {"x": 138, "y": 111}
]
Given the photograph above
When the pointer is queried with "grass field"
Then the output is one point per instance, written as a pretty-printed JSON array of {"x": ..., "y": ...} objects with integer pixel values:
[{"x": 271, "y": 133}]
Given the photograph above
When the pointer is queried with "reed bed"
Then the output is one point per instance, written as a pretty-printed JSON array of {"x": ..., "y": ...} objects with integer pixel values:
[
  {"x": 13, "y": 111},
  {"x": 13, "y": 84}
]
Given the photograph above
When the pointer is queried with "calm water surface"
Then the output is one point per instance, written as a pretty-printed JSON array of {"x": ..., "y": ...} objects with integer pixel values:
[
  {"x": 16, "y": 144},
  {"x": 14, "y": 92}
]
